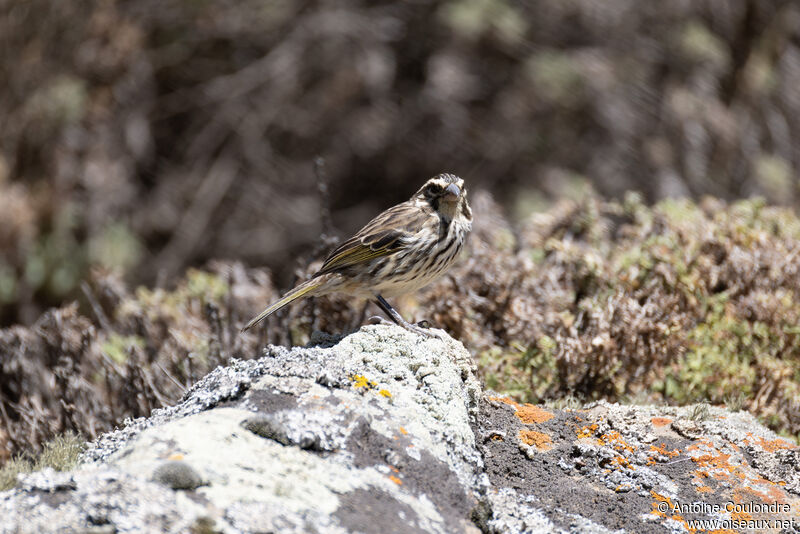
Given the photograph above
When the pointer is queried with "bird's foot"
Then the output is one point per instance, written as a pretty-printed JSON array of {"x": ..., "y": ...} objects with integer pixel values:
[{"x": 421, "y": 328}]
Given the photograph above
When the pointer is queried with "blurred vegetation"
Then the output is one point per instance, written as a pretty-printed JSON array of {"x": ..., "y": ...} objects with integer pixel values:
[
  {"x": 147, "y": 136},
  {"x": 680, "y": 303}
]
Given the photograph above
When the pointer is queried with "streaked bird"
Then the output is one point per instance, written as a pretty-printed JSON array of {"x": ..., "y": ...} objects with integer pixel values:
[{"x": 401, "y": 250}]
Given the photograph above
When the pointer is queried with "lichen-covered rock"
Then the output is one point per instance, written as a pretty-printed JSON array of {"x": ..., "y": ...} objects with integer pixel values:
[
  {"x": 384, "y": 431},
  {"x": 369, "y": 434},
  {"x": 608, "y": 467}
]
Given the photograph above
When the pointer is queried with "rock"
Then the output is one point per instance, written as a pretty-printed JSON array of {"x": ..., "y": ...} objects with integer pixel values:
[
  {"x": 613, "y": 468},
  {"x": 376, "y": 432}
]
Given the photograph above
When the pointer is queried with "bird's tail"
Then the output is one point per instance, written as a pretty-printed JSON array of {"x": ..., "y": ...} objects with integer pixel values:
[{"x": 302, "y": 290}]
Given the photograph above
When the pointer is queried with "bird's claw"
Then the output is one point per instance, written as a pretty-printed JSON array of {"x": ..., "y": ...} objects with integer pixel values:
[
  {"x": 421, "y": 328},
  {"x": 377, "y": 319}
]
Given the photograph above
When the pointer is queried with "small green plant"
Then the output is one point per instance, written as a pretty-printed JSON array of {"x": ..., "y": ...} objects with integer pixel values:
[
  {"x": 700, "y": 412},
  {"x": 60, "y": 453},
  {"x": 568, "y": 402},
  {"x": 736, "y": 401}
]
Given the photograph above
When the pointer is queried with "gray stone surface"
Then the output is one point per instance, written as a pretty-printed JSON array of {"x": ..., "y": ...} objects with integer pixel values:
[{"x": 383, "y": 431}]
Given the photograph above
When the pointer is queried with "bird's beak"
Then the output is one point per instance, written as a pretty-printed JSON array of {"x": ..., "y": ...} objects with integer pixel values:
[{"x": 452, "y": 192}]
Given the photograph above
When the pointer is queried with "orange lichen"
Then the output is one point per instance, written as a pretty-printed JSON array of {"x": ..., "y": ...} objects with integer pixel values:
[
  {"x": 659, "y": 499},
  {"x": 586, "y": 431},
  {"x": 772, "y": 445},
  {"x": 660, "y": 421},
  {"x": 621, "y": 461},
  {"x": 745, "y": 483},
  {"x": 403, "y": 431},
  {"x": 527, "y": 413},
  {"x": 675, "y": 517},
  {"x": 530, "y": 414},
  {"x": 735, "y": 514},
  {"x": 396, "y": 480},
  {"x": 704, "y": 489},
  {"x": 662, "y": 449},
  {"x": 505, "y": 400},
  {"x": 539, "y": 440},
  {"x": 717, "y": 461},
  {"x": 615, "y": 440}
]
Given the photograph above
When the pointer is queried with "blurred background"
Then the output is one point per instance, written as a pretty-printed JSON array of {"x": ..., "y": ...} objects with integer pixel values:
[
  {"x": 146, "y": 136},
  {"x": 158, "y": 167}
]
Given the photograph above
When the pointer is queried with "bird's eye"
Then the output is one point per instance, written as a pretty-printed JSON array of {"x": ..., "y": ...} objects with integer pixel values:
[{"x": 433, "y": 189}]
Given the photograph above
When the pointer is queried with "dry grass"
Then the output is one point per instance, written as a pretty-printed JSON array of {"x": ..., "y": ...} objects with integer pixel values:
[{"x": 60, "y": 453}]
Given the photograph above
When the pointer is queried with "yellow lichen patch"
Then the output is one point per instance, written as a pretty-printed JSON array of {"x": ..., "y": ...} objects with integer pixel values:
[
  {"x": 541, "y": 441},
  {"x": 385, "y": 393},
  {"x": 396, "y": 480},
  {"x": 660, "y": 421},
  {"x": 361, "y": 381},
  {"x": 403, "y": 431},
  {"x": 175, "y": 456}
]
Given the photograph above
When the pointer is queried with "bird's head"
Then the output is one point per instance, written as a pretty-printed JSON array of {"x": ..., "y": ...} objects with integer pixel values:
[{"x": 445, "y": 194}]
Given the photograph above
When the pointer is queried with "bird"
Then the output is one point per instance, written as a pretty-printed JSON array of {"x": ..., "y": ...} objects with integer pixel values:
[{"x": 400, "y": 251}]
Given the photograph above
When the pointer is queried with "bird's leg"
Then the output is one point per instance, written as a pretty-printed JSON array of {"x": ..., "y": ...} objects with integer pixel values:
[{"x": 397, "y": 319}]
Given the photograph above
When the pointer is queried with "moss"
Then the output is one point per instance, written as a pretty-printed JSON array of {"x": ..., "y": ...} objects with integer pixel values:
[
  {"x": 116, "y": 247},
  {"x": 502, "y": 372},
  {"x": 193, "y": 292},
  {"x": 204, "y": 285},
  {"x": 117, "y": 346}
]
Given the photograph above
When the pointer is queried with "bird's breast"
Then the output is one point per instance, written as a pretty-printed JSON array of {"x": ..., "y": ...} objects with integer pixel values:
[{"x": 426, "y": 258}]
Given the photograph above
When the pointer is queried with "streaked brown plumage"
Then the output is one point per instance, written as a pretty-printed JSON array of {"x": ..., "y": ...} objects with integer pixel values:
[{"x": 399, "y": 251}]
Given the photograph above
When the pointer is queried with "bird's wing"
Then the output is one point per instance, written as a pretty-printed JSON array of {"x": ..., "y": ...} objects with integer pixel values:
[{"x": 385, "y": 234}]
